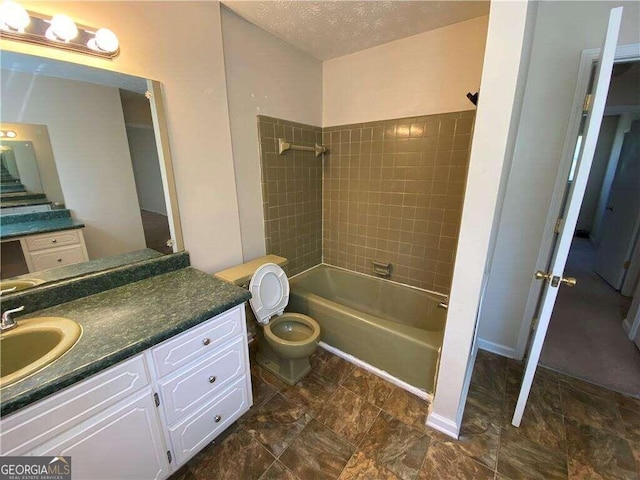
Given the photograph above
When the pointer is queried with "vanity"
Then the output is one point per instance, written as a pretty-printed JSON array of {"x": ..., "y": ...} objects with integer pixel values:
[
  {"x": 161, "y": 367},
  {"x": 160, "y": 370}
]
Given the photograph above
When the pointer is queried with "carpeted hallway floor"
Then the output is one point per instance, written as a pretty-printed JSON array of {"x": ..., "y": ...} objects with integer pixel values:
[{"x": 585, "y": 337}]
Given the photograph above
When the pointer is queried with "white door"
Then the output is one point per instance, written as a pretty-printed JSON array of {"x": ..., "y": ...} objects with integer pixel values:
[
  {"x": 554, "y": 276},
  {"x": 622, "y": 217}
]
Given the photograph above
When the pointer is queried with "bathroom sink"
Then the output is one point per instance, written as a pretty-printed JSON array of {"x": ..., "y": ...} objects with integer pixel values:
[
  {"x": 34, "y": 344},
  {"x": 20, "y": 284}
]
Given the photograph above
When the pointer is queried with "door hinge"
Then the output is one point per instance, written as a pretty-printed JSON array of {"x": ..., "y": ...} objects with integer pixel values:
[
  {"x": 169, "y": 456},
  {"x": 586, "y": 106},
  {"x": 626, "y": 264},
  {"x": 156, "y": 399},
  {"x": 558, "y": 225}
]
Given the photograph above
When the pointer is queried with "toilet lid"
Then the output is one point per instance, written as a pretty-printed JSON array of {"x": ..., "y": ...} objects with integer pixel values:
[{"x": 269, "y": 289}]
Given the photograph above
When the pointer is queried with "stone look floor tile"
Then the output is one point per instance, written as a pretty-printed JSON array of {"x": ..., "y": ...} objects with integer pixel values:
[
  {"x": 479, "y": 436},
  {"x": 590, "y": 409},
  {"x": 318, "y": 453},
  {"x": 538, "y": 424},
  {"x": 267, "y": 376},
  {"x": 396, "y": 446},
  {"x": 183, "y": 474},
  {"x": 363, "y": 467},
  {"x": 445, "y": 461},
  {"x": 311, "y": 392},
  {"x": 369, "y": 386},
  {"x": 594, "y": 453},
  {"x": 239, "y": 457},
  {"x": 276, "y": 423},
  {"x": 331, "y": 366},
  {"x": 625, "y": 401},
  {"x": 520, "y": 457},
  {"x": 277, "y": 471},
  {"x": 631, "y": 420},
  {"x": 348, "y": 415},
  {"x": 587, "y": 387},
  {"x": 489, "y": 371},
  {"x": 545, "y": 390},
  {"x": 262, "y": 391},
  {"x": 408, "y": 408}
]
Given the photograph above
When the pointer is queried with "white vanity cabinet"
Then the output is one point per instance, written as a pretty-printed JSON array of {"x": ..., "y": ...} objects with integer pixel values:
[
  {"x": 54, "y": 249},
  {"x": 146, "y": 416}
]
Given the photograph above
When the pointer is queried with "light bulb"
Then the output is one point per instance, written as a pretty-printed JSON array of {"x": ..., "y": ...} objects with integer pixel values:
[
  {"x": 13, "y": 16},
  {"x": 105, "y": 41},
  {"x": 11, "y": 134},
  {"x": 62, "y": 28}
]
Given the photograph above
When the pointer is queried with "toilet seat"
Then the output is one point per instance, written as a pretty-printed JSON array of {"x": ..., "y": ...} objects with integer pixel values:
[{"x": 269, "y": 289}]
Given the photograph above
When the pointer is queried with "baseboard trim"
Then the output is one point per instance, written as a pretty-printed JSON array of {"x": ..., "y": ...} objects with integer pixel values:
[
  {"x": 444, "y": 425},
  {"x": 380, "y": 373},
  {"x": 497, "y": 348}
]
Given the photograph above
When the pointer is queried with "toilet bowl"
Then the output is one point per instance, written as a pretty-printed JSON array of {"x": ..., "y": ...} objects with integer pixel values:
[{"x": 285, "y": 340}]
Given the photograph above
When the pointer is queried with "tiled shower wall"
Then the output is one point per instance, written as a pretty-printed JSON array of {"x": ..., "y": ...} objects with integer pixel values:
[
  {"x": 393, "y": 193},
  {"x": 291, "y": 193}
]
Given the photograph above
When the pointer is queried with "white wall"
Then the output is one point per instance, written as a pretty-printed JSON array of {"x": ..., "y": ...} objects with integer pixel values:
[
  {"x": 187, "y": 57},
  {"x": 424, "y": 74},
  {"x": 499, "y": 107},
  {"x": 265, "y": 76},
  {"x": 562, "y": 31},
  {"x": 598, "y": 170},
  {"x": 89, "y": 142}
]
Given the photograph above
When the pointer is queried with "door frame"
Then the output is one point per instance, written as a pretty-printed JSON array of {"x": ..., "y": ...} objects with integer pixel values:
[{"x": 629, "y": 52}]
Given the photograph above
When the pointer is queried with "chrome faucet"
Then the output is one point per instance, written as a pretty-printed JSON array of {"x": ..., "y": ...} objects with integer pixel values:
[{"x": 7, "y": 319}]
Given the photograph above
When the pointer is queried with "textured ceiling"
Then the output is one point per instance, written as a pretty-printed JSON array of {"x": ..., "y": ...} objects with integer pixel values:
[{"x": 332, "y": 29}]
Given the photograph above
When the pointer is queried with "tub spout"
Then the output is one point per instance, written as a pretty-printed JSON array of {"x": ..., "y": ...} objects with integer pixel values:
[{"x": 443, "y": 305}]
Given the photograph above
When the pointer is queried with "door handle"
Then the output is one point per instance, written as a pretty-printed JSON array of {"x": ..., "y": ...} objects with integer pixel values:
[{"x": 555, "y": 280}]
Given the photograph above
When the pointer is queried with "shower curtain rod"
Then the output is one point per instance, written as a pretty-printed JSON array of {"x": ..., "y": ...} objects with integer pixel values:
[{"x": 283, "y": 146}]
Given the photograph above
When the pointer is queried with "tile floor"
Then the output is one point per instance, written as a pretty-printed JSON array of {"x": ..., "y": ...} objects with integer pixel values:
[{"x": 342, "y": 422}]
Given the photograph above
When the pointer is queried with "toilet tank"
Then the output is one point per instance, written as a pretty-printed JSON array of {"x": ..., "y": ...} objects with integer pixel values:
[{"x": 241, "y": 275}]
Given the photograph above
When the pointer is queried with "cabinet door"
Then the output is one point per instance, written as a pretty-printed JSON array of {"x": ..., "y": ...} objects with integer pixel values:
[{"x": 123, "y": 443}]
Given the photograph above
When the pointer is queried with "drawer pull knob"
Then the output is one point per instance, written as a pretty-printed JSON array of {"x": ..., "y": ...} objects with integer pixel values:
[
  {"x": 206, "y": 341},
  {"x": 59, "y": 260},
  {"x": 54, "y": 240},
  {"x": 217, "y": 418},
  {"x": 212, "y": 379}
]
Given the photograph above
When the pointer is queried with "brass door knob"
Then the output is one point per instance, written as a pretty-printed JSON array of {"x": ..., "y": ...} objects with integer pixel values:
[
  {"x": 540, "y": 275},
  {"x": 569, "y": 281}
]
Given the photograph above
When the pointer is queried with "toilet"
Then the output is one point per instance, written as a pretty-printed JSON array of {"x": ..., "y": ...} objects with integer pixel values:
[{"x": 286, "y": 340}]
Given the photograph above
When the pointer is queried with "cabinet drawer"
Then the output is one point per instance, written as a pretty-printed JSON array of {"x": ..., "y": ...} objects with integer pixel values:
[
  {"x": 191, "y": 435},
  {"x": 44, "y": 420},
  {"x": 57, "y": 257},
  {"x": 55, "y": 239},
  {"x": 187, "y": 347},
  {"x": 186, "y": 392}
]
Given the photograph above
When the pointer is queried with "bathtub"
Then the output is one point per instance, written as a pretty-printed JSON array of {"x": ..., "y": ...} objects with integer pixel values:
[{"x": 393, "y": 327}]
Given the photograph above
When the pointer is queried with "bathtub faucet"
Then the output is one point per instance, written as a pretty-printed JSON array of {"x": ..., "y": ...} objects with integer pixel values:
[{"x": 443, "y": 305}]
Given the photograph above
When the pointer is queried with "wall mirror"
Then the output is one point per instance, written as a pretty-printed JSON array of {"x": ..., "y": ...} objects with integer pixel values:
[{"x": 86, "y": 176}]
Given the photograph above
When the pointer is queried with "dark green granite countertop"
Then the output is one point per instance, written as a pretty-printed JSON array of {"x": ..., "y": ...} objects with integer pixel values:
[
  {"x": 99, "y": 264},
  {"x": 122, "y": 322},
  {"x": 15, "y": 230}
]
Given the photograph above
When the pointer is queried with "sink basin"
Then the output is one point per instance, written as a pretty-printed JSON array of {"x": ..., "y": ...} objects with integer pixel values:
[
  {"x": 20, "y": 284},
  {"x": 33, "y": 345}
]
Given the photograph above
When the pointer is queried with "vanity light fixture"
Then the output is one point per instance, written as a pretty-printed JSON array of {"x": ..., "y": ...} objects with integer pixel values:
[
  {"x": 59, "y": 31},
  {"x": 8, "y": 134}
]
